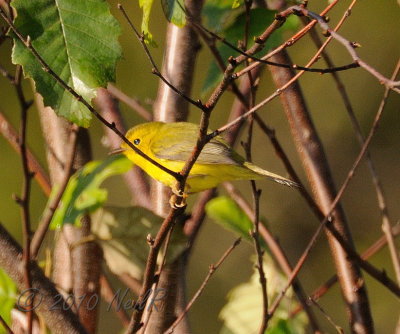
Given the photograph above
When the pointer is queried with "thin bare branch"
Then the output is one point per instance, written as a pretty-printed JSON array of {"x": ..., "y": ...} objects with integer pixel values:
[
  {"x": 109, "y": 296},
  {"x": 327, "y": 317},
  {"x": 211, "y": 271},
  {"x": 24, "y": 201},
  {"x": 7, "y": 130},
  {"x": 350, "y": 47},
  {"x": 155, "y": 69},
  {"x": 386, "y": 224},
  {"x": 373, "y": 249},
  {"x": 135, "y": 177},
  {"x": 282, "y": 88},
  {"x": 288, "y": 43},
  {"x": 130, "y": 102},
  {"x": 155, "y": 245},
  {"x": 6, "y": 327},
  {"x": 6, "y": 74},
  {"x": 380, "y": 276}
]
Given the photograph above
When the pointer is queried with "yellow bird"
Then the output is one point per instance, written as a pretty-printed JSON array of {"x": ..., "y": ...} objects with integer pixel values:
[{"x": 171, "y": 145}]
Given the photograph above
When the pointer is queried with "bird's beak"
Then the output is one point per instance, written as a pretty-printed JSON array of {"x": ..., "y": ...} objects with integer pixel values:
[{"x": 117, "y": 151}]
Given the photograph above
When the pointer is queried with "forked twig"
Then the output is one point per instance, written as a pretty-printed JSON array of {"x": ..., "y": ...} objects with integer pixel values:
[{"x": 350, "y": 47}]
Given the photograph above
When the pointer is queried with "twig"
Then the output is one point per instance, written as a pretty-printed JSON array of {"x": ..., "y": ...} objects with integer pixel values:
[
  {"x": 24, "y": 201},
  {"x": 158, "y": 275},
  {"x": 260, "y": 263},
  {"x": 297, "y": 268},
  {"x": 6, "y": 327},
  {"x": 241, "y": 104},
  {"x": 109, "y": 296},
  {"x": 317, "y": 211},
  {"x": 211, "y": 271},
  {"x": 378, "y": 245},
  {"x": 380, "y": 276},
  {"x": 155, "y": 69},
  {"x": 338, "y": 328},
  {"x": 6, "y": 74},
  {"x": 11, "y": 135},
  {"x": 80, "y": 99},
  {"x": 386, "y": 224},
  {"x": 155, "y": 245},
  {"x": 132, "y": 283},
  {"x": 279, "y": 20},
  {"x": 289, "y": 167},
  {"x": 132, "y": 103},
  {"x": 256, "y": 202},
  {"x": 350, "y": 47},
  {"x": 281, "y": 89},
  {"x": 135, "y": 177},
  {"x": 288, "y": 43},
  {"x": 192, "y": 225},
  {"x": 41, "y": 231}
]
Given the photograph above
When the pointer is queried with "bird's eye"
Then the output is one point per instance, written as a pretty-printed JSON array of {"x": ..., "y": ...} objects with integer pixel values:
[{"x": 136, "y": 141}]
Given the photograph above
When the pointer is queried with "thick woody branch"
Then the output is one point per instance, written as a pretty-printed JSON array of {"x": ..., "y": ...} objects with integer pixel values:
[
  {"x": 59, "y": 321},
  {"x": 320, "y": 178}
]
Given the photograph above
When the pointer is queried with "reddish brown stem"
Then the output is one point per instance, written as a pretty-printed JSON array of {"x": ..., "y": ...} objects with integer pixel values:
[{"x": 11, "y": 135}]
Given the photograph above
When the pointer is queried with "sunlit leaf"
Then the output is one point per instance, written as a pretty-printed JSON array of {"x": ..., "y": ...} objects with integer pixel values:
[
  {"x": 174, "y": 11},
  {"x": 8, "y": 291},
  {"x": 226, "y": 212},
  {"x": 229, "y": 215},
  {"x": 218, "y": 14},
  {"x": 146, "y": 6},
  {"x": 82, "y": 194},
  {"x": 237, "y": 3},
  {"x": 121, "y": 233},
  {"x": 78, "y": 41},
  {"x": 243, "y": 312}
]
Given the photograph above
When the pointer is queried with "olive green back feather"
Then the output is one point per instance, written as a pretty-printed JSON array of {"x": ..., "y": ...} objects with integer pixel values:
[{"x": 176, "y": 142}]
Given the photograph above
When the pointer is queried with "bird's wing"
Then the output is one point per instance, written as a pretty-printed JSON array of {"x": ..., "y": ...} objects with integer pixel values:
[{"x": 180, "y": 148}]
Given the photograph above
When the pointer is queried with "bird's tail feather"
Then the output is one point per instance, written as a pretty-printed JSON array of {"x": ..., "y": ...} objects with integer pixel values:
[{"x": 275, "y": 177}]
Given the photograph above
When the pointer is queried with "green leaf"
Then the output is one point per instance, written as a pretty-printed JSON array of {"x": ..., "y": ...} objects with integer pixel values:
[
  {"x": 243, "y": 312},
  {"x": 8, "y": 291},
  {"x": 146, "y": 7},
  {"x": 174, "y": 12},
  {"x": 226, "y": 213},
  {"x": 230, "y": 216},
  {"x": 78, "y": 40},
  {"x": 82, "y": 194},
  {"x": 281, "y": 327},
  {"x": 233, "y": 23},
  {"x": 217, "y": 14},
  {"x": 237, "y": 3},
  {"x": 122, "y": 232}
]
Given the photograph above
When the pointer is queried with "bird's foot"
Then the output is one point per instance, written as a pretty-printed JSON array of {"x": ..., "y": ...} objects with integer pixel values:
[
  {"x": 178, "y": 199},
  {"x": 177, "y": 202}
]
